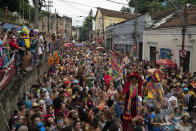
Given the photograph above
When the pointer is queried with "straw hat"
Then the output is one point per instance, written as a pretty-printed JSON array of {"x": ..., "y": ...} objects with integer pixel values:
[
  {"x": 185, "y": 114},
  {"x": 151, "y": 70},
  {"x": 35, "y": 105}
]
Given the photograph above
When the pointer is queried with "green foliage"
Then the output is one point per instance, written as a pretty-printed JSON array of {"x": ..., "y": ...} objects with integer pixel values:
[
  {"x": 150, "y": 6},
  {"x": 13, "y": 5},
  {"x": 146, "y": 6},
  {"x": 87, "y": 25},
  {"x": 125, "y": 9}
]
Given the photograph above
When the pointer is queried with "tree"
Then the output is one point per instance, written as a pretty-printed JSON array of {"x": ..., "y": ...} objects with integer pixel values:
[
  {"x": 36, "y": 13},
  {"x": 150, "y": 6},
  {"x": 125, "y": 10},
  {"x": 13, "y": 5},
  {"x": 145, "y": 6},
  {"x": 87, "y": 26},
  {"x": 40, "y": 3}
]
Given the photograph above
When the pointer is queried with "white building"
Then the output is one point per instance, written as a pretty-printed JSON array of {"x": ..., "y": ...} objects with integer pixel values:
[{"x": 164, "y": 40}]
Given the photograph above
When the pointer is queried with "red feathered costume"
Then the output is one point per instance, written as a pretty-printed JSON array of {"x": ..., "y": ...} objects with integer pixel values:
[{"x": 130, "y": 107}]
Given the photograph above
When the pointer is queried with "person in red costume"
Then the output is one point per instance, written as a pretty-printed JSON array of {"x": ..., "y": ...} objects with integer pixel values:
[
  {"x": 107, "y": 79},
  {"x": 12, "y": 43},
  {"x": 132, "y": 90}
]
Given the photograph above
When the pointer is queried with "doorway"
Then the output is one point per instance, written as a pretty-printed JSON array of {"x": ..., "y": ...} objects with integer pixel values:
[
  {"x": 153, "y": 54},
  {"x": 186, "y": 62},
  {"x": 140, "y": 51}
]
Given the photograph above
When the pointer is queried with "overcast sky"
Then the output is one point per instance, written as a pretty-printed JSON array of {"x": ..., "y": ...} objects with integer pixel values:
[{"x": 67, "y": 8}]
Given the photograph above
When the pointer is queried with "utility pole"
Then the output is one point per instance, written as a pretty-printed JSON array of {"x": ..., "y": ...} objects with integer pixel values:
[
  {"x": 135, "y": 34},
  {"x": 56, "y": 14},
  {"x": 57, "y": 26},
  {"x": 185, "y": 22},
  {"x": 103, "y": 28},
  {"x": 36, "y": 14}
]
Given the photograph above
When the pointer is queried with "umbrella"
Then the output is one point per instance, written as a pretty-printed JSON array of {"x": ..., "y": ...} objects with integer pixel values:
[
  {"x": 80, "y": 45},
  {"x": 166, "y": 62},
  {"x": 68, "y": 45},
  {"x": 100, "y": 48}
]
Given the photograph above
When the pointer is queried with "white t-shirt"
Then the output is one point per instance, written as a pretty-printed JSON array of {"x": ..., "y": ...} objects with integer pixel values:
[
  {"x": 181, "y": 128},
  {"x": 41, "y": 38}
]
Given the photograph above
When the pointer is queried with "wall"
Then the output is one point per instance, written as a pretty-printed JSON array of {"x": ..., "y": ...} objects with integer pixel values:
[
  {"x": 98, "y": 25},
  {"x": 68, "y": 28},
  {"x": 13, "y": 92},
  {"x": 64, "y": 25},
  {"x": 171, "y": 39},
  {"x": 122, "y": 34},
  {"x": 10, "y": 26},
  {"x": 108, "y": 20}
]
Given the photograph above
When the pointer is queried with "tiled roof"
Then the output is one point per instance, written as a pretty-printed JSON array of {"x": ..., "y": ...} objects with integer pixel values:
[
  {"x": 113, "y": 13},
  {"x": 161, "y": 14},
  {"x": 176, "y": 21}
]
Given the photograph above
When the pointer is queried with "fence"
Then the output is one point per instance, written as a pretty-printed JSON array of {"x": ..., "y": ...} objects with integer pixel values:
[{"x": 13, "y": 61}]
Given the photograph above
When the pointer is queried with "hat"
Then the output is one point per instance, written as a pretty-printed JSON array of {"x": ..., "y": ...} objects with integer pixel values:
[
  {"x": 23, "y": 128},
  {"x": 34, "y": 105},
  {"x": 151, "y": 70},
  {"x": 157, "y": 107},
  {"x": 23, "y": 32},
  {"x": 185, "y": 89},
  {"x": 42, "y": 90},
  {"x": 59, "y": 121},
  {"x": 134, "y": 75},
  {"x": 75, "y": 82},
  {"x": 172, "y": 98},
  {"x": 185, "y": 114},
  {"x": 48, "y": 102},
  {"x": 41, "y": 103}
]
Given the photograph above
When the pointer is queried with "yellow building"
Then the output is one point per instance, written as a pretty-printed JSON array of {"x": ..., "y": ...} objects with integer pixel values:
[{"x": 105, "y": 18}]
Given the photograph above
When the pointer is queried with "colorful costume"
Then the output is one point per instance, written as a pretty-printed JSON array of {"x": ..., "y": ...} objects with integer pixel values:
[
  {"x": 155, "y": 90},
  {"x": 26, "y": 37},
  {"x": 132, "y": 90}
]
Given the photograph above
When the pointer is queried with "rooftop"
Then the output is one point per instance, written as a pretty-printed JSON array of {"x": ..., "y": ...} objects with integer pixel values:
[
  {"x": 177, "y": 19},
  {"x": 113, "y": 13},
  {"x": 161, "y": 14}
]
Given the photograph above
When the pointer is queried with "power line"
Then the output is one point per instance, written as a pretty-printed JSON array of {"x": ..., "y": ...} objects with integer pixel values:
[
  {"x": 117, "y": 2},
  {"x": 77, "y": 8},
  {"x": 78, "y": 4}
]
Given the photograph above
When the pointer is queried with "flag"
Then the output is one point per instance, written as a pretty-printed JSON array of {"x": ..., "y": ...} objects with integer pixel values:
[
  {"x": 116, "y": 66},
  {"x": 155, "y": 91}
]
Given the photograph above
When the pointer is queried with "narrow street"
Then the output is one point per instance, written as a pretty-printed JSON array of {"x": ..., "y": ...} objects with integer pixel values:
[{"x": 98, "y": 65}]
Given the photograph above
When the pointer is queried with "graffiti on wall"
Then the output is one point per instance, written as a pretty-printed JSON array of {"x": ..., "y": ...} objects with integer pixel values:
[{"x": 165, "y": 53}]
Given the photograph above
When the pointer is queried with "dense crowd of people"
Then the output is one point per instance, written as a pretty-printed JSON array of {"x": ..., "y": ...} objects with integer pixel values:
[
  {"x": 95, "y": 90},
  {"x": 30, "y": 47}
]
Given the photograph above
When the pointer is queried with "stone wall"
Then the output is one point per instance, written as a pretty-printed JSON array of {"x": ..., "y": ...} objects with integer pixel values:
[{"x": 13, "y": 92}]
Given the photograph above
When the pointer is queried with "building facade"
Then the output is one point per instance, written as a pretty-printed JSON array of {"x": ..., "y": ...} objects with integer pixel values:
[
  {"x": 105, "y": 18},
  {"x": 164, "y": 40},
  {"x": 57, "y": 24},
  {"x": 167, "y": 42},
  {"x": 75, "y": 34},
  {"x": 121, "y": 36}
]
